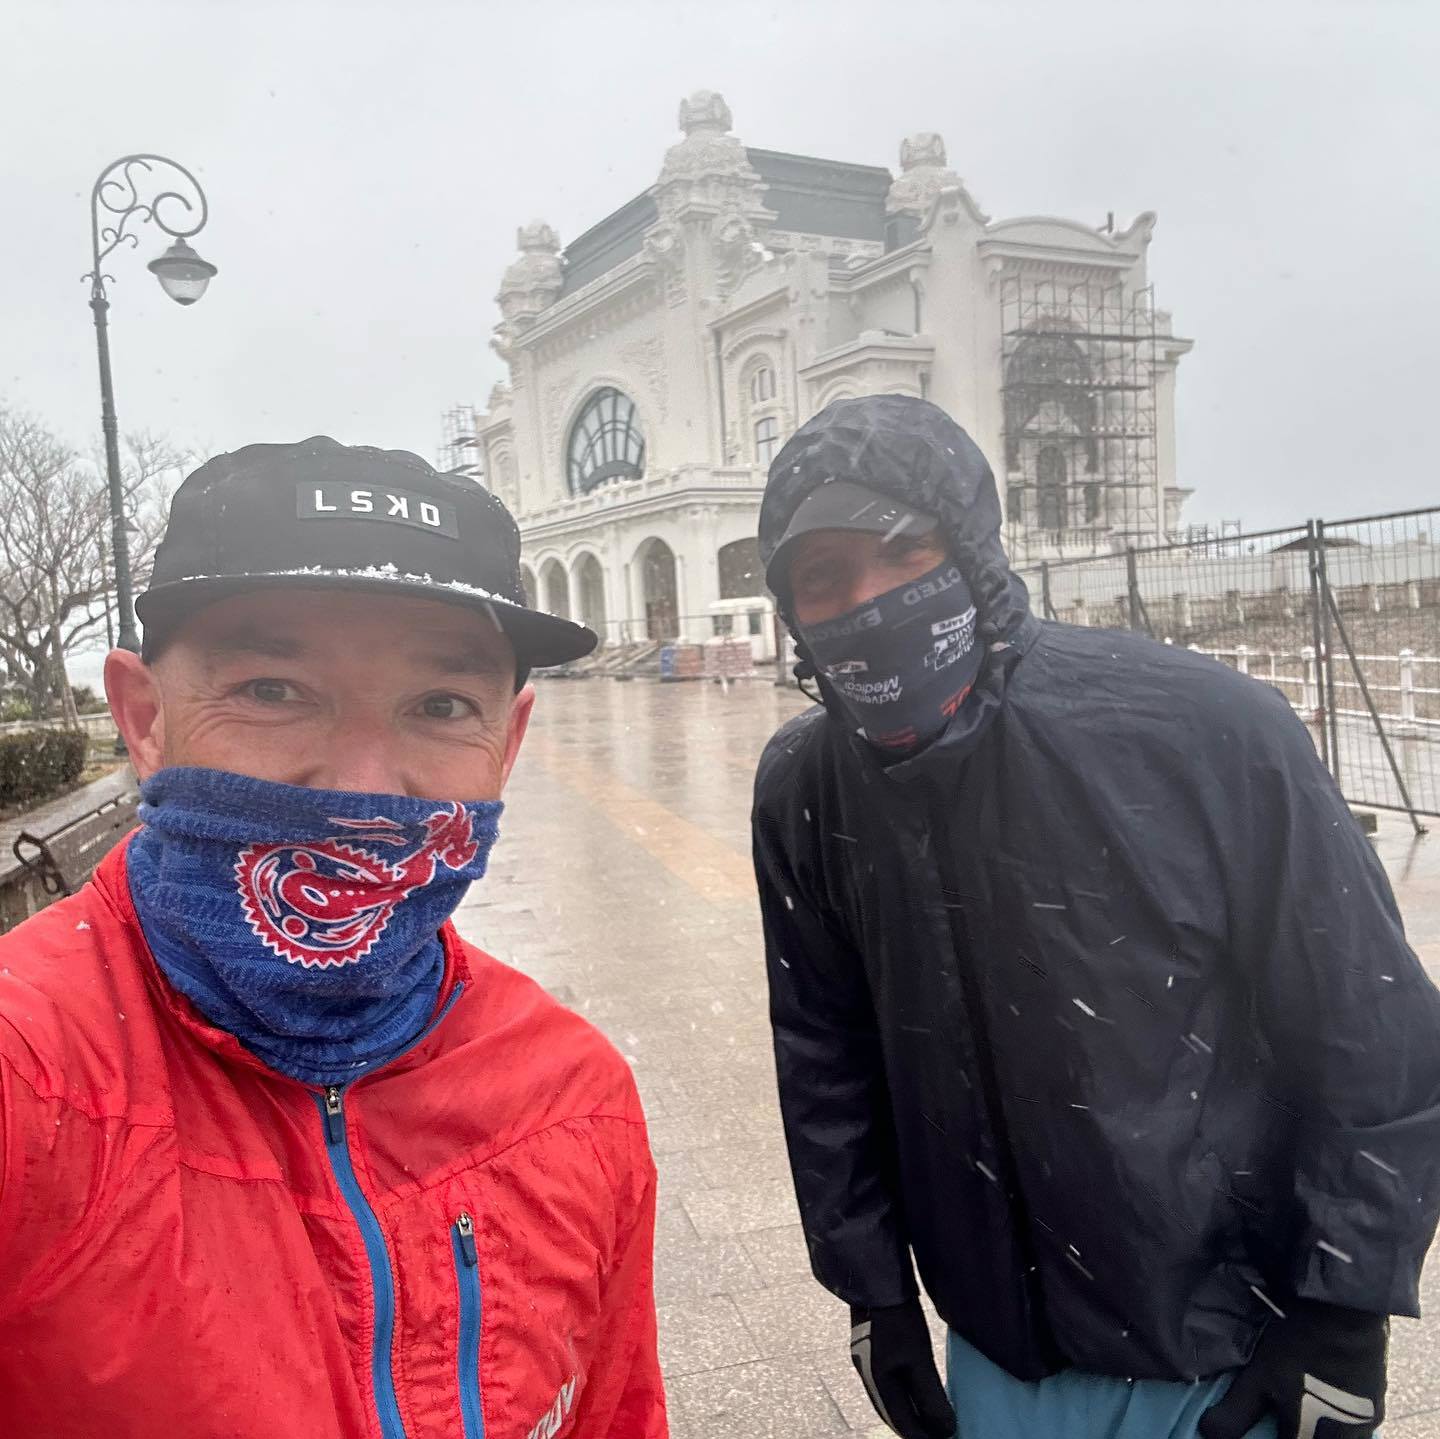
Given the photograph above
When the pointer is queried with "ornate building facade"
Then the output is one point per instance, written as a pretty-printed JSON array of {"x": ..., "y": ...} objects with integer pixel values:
[{"x": 658, "y": 362}]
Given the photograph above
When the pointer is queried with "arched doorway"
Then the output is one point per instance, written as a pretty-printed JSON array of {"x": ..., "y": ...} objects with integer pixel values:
[
  {"x": 527, "y": 583},
  {"x": 660, "y": 591},
  {"x": 555, "y": 589},
  {"x": 1050, "y": 481},
  {"x": 587, "y": 580},
  {"x": 741, "y": 574}
]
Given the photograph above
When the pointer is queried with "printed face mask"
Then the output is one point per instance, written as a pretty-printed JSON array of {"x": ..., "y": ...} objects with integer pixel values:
[
  {"x": 303, "y": 921},
  {"x": 902, "y": 663}
]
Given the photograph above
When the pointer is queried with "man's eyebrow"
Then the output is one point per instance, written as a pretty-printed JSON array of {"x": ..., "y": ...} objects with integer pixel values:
[
  {"x": 269, "y": 644},
  {"x": 461, "y": 658}
]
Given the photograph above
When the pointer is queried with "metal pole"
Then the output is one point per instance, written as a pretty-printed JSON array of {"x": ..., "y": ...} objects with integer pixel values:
[
  {"x": 1334, "y": 611},
  {"x": 1317, "y": 606},
  {"x": 1327, "y": 658},
  {"x": 105, "y": 579},
  {"x": 115, "y": 201},
  {"x": 128, "y": 639},
  {"x": 1132, "y": 584}
]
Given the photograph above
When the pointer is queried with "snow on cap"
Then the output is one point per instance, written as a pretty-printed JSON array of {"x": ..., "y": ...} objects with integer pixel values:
[{"x": 318, "y": 514}]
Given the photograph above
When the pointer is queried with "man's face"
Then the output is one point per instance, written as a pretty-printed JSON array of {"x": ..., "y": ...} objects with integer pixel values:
[
  {"x": 835, "y": 571},
  {"x": 341, "y": 690}
]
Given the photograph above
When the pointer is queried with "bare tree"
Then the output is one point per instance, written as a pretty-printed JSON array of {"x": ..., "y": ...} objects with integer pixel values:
[{"x": 55, "y": 586}]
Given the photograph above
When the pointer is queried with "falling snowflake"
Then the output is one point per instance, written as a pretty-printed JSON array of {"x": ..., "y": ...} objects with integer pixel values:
[{"x": 1267, "y": 1300}]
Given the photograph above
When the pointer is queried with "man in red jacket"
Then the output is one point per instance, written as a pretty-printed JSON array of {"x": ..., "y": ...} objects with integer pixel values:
[{"x": 280, "y": 1154}]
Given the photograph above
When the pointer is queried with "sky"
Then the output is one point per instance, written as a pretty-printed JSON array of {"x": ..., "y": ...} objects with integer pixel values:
[{"x": 367, "y": 165}]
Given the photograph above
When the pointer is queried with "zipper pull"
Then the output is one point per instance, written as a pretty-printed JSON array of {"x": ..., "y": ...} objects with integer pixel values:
[
  {"x": 465, "y": 1228},
  {"x": 334, "y": 1116}
]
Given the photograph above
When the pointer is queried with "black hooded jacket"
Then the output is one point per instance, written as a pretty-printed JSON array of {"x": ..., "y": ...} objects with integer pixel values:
[{"x": 1100, "y": 1005}]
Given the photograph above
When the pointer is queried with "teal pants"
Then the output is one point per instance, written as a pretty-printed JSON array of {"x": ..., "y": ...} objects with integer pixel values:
[{"x": 992, "y": 1404}]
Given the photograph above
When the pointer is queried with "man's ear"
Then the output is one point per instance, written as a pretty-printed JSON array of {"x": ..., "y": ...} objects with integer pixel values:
[
  {"x": 515, "y": 731},
  {"x": 134, "y": 696}
]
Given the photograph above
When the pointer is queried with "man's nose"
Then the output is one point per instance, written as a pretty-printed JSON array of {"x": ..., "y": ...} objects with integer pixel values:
[{"x": 364, "y": 758}]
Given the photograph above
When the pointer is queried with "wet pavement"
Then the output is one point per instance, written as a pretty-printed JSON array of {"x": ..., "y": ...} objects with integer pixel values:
[{"x": 622, "y": 883}]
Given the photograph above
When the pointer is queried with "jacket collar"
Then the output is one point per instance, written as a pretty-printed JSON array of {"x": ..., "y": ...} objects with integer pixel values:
[{"x": 111, "y": 880}]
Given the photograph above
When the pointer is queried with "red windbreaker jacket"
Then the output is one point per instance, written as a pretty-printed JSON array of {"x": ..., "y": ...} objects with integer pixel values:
[{"x": 194, "y": 1247}]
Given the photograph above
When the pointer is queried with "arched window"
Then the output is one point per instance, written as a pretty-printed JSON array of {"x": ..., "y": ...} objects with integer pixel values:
[
  {"x": 767, "y": 439},
  {"x": 605, "y": 442},
  {"x": 1050, "y": 477},
  {"x": 762, "y": 385}
]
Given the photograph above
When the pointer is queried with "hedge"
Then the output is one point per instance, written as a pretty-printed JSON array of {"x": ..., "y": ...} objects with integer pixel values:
[{"x": 35, "y": 763}]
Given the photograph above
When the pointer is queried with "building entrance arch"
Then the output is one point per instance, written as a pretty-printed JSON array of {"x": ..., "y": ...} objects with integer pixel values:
[
  {"x": 659, "y": 590},
  {"x": 587, "y": 583},
  {"x": 555, "y": 589}
]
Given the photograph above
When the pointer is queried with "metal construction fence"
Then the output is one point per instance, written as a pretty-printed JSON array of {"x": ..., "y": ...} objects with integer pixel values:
[{"x": 1342, "y": 616}]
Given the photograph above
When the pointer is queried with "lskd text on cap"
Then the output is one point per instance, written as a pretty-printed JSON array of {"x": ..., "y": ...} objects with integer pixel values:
[{"x": 335, "y": 499}]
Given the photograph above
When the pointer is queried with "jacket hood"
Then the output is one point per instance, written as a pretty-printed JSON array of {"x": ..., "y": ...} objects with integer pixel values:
[{"x": 913, "y": 451}]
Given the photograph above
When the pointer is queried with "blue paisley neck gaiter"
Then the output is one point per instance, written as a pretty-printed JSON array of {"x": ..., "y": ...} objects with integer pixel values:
[{"x": 303, "y": 921}]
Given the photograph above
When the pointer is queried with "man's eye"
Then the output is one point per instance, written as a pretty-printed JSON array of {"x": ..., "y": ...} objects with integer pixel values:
[
  {"x": 444, "y": 707},
  {"x": 269, "y": 692},
  {"x": 812, "y": 579}
]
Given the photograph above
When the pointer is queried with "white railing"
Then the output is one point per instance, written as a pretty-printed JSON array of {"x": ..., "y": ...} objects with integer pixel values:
[
  {"x": 95, "y": 724},
  {"x": 1416, "y": 686},
  {"x": 625, "y": 492}
]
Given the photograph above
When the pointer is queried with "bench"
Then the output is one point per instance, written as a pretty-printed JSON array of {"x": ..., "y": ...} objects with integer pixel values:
[{"x": 62, "y": 842}]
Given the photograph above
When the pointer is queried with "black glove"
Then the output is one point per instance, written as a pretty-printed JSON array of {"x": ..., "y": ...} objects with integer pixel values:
[
  {"x": 890, "y": 1349},
  {"x": 1319, "y": 1362}
]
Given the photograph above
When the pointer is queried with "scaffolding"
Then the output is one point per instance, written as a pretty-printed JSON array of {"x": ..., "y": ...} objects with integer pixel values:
[
  {"x": 460, "y": 449},
  {"x": 1078, "y": 392}
]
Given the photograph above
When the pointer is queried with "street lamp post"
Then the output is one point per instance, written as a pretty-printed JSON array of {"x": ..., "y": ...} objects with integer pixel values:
[{"x": 183, "y": 275}]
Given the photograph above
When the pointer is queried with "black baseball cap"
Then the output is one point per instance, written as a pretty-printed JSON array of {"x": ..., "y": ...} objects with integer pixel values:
[
  {"x": 844, "y": 505},
  {"x": 319, "y": 514}
]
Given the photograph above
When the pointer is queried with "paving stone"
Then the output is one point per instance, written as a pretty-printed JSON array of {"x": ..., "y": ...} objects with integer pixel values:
[
  {"x": 766, "y": 1160},
  {"x": 698, "y": 1129},
  {"x": 703, "y": 1334},
  {"x": 719, "y": 1212},
  {"x": 702, "y": 1269},
  {"x": 1412, "y": 1426},
  {"x": 765, "y": 1400},
  {"x": 779, "y": 1255},
  {"x": 843, "y": 1385},
  {"x": 789, "y": 1318}
]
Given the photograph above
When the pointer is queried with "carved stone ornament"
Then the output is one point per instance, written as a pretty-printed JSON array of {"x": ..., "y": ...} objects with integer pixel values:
[
  {"x": 646, "y": 359},
  {"x": 924, "y": 174},
  {"x": 738, "y": 249},
  {"x": 533, "y": 283},
  {"x": 708, "y": 154},
  {"x": 707, "y": 182}
]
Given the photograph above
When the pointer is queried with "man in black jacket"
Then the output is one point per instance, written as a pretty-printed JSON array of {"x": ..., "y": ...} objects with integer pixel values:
[{"x": 1087, "y": 991}]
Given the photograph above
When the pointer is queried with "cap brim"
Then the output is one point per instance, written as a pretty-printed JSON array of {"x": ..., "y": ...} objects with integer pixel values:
[
  {"x": 845, "y": 505},
  {"x": 538, "y": 639}
]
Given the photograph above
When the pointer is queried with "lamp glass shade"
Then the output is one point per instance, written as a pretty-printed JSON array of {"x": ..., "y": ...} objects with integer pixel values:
[{"x": 183, "y": 275}]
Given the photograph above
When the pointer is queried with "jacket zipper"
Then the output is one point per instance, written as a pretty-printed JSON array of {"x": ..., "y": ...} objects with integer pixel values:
[
  {"x": 990, "y": 1090},
  {"x": 467, "y": 1277},
  {"x": 382, "y": 1278}
]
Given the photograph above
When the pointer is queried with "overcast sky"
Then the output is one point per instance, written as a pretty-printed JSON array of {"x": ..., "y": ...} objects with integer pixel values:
[{"x": 367, "y": 165}]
